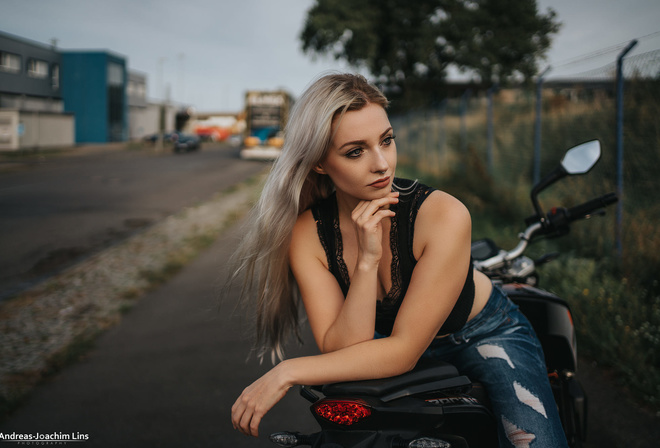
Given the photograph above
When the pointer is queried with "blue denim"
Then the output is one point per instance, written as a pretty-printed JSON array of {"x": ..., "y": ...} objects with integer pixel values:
[{"x": 499, "y": 349}]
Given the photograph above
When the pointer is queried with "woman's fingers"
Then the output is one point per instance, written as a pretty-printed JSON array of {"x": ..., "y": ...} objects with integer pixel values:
[
  {"x": 256, "y": 400},
  {"x": 367, "y": 217},
  {"x": 366, "y": 209}
]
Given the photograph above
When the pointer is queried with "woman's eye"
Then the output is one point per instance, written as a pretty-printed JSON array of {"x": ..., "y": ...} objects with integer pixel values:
[
  {"x": 357, "y": 152},
  {"x": 388, "y": 140}
]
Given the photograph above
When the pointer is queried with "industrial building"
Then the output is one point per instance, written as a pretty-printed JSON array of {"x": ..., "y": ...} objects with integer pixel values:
[
  {"x": 56, "y": 98},
  {"x": 31, "y": 104}
]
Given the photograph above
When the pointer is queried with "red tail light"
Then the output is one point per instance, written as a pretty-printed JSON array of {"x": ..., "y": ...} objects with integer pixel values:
[{"x": 342, "y": 412}]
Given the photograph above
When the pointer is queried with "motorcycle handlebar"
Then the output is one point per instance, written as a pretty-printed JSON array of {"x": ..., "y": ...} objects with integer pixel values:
[
  {"x": 583, "y": 210},
  {"x": 556, "y": 224}
]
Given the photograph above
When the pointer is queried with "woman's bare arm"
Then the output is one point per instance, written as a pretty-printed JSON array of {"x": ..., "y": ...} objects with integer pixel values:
[
  {"x": 339, "y": 322},
  {"x": 442, "y": 235}
]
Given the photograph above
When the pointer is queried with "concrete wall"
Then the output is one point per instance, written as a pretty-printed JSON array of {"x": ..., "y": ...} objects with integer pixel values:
[
  {"x": 8, "y": 130},
  {"x": 143, "y": 121},
  {"x": 31, "y": 130}
]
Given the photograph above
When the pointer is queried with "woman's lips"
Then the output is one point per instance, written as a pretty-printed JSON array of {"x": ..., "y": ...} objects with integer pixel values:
[{"x": 381, "y": 183}]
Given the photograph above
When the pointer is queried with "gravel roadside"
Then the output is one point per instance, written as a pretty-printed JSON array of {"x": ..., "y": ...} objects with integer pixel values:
[{"x": 47, "y": 326}]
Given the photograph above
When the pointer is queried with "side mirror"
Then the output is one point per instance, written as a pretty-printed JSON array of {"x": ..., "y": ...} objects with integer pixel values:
[
  {"x": 582, "y": 158},
  {"x": 577, "y": 160}
]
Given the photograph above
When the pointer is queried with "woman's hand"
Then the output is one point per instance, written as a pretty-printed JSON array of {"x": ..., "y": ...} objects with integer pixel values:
[
  {"x": 367, "y": 217},
  {"x": 257, "y": 399}
]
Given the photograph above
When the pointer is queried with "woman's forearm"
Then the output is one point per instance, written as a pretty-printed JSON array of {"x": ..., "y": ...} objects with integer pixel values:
[
  {"x": 371, "y": 359},
  {"x": 357, "y": 319},
  {"x": 376, "y": 358}
]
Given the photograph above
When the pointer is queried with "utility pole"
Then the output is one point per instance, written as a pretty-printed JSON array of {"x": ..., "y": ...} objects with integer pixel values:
[{"x": 161, "y": 107}]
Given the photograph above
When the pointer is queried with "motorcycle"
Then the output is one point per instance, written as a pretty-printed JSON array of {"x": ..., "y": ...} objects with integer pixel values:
[{"x": 434, "y": 406}]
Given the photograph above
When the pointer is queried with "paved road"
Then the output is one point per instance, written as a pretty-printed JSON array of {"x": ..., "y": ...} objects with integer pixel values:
[
  {"x": 64, "y": 208},
  {"x": 167, "y": 375}
]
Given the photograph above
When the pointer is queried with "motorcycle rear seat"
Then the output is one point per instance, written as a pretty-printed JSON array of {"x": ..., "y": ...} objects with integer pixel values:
[{"x": 424, "y": 377}]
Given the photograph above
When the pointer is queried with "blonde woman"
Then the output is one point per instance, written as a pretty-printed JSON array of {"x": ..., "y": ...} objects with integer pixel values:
[{"x": 382, "y": 266}]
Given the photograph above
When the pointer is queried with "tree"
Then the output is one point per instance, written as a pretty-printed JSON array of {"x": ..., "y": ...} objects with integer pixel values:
[{"x": 408, "y": 45}]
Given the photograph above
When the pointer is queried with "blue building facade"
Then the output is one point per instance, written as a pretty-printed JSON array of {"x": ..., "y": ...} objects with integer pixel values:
[{"x": 93, "y": 87}]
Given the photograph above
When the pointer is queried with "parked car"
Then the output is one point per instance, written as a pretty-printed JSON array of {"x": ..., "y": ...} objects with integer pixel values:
[
  {"x": 153, "y": 138},
  {"x": 186, "y": 142}
]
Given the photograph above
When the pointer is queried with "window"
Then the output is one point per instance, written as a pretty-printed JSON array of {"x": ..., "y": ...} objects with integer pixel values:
[
  {"x": 115, "y": 74},
  {"x": 55, "y": 76},
  {"x": 136, "y": 89},
  {"x": 37, "y": 68},
  {"x": 10, "y": 62}
]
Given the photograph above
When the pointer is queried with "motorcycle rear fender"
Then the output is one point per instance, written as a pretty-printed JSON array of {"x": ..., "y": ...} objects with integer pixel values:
[
  {"x": 425, "y": 377},
  {"x": 411, "y": 418},
  {"x": 552, "y": 321},
  {"x": 432, "y": 396}
]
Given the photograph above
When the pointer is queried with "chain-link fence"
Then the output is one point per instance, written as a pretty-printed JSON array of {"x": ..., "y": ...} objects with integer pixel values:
[
  {"x": 510, "y": 137},
  {"x": 487, "y": 147}
]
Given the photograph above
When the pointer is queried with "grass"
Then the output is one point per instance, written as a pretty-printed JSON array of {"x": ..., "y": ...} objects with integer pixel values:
[{"x": 615, "y": 300}]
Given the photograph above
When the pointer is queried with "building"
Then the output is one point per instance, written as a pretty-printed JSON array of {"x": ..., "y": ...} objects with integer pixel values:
[
  {"x": 146, "y": 118},
  {"x": 94, "y": 90},
  {"x": 55, "y": 98},
  {"x": 31, "y": 103}
]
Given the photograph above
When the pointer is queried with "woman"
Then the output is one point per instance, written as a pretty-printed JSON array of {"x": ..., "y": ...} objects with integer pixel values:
[{"x": 383, "y": 269}]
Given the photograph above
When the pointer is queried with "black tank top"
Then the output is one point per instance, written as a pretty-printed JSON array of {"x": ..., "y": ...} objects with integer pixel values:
[{"x": 403, "y": 260}]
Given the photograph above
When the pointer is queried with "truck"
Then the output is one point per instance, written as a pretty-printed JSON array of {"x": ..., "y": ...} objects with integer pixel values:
[{"x": 266, "y": 114}]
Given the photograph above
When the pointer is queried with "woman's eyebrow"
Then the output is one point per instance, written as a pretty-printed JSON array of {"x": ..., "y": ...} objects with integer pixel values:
[{"x": 362, "y": 142}]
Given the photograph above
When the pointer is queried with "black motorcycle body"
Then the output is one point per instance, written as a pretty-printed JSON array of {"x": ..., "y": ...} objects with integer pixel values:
[{"x": 434, "y": 406}]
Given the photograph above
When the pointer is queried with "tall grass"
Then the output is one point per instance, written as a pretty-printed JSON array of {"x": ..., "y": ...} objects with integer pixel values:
[{"x": 615, "y": 301}]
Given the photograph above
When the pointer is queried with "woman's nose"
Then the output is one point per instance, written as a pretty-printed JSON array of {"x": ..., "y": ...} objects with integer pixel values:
[{"x": 380, "y": 162}]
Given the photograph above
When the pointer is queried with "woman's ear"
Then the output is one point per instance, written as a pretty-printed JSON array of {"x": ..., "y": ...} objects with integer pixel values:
[{"x": 319, "y": 169}]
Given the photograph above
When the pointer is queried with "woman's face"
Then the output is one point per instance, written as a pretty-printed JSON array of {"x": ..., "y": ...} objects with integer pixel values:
[{"x": 362, "y": 156}]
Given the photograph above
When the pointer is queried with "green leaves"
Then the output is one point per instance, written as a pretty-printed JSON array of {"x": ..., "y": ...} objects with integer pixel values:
[{"x": 409, "y": 45}]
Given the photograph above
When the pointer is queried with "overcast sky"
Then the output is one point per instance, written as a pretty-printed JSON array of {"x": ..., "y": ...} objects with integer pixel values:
[{"x": 207, "y": 53}]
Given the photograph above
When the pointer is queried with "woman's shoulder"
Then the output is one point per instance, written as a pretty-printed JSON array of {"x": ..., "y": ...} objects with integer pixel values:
[
  {"x": 305, "y": 242},
  {"x": 305, "y": 223},
  {"x": 441, "y": 210},
  {"x": 441, "y": 222},
  {"x": 442, "y": 204},
  {"x": 428, "y": 199}
]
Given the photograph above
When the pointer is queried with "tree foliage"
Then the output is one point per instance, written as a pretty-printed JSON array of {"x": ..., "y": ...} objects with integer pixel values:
[{"x": 408, "y": 45}]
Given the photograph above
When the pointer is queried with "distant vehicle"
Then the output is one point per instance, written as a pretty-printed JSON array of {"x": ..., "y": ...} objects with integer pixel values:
[
  {"x": 235, "y": 140},
  {"x": 186, "y": 142},
  {"x": 266, "y": 114},
  {"x": 153, "y": 138},
  {"x": 212, "y": 133}
]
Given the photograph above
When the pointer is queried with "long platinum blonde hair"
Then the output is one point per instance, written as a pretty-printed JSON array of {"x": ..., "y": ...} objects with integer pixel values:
[{"x": 291, "y": 188}]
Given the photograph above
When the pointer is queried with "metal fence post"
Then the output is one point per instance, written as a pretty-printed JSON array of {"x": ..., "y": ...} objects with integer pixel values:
[
  {"x": 619, "y": 147},
  {"x": 537, "y": 127},
  {"x": 443, "y": 130},
  {"x": 464, "y": 106},
  {"x": 490, "y": 131}
]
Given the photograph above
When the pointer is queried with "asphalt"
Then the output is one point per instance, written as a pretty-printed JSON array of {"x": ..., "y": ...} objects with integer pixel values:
[{"x": 167, "y": 375}]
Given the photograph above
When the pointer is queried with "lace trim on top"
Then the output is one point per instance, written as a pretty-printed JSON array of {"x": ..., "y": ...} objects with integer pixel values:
[
  {"x": 394, "y": 291},
  {"x": 339, "y": 248}
]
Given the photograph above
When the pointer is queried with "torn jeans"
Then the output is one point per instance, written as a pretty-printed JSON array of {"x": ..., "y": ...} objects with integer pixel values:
[{"x": 499, "y": 349}]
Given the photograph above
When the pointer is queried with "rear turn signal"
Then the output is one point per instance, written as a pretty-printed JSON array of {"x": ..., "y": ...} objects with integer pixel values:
[
  {"x": 426, "y": 442},
  {"x": 287, "y": 439},
  {"x": 342, "y": 412}
]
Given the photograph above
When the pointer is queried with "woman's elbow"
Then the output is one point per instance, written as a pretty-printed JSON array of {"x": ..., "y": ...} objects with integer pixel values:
[{"x": 406, "y": 358}]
